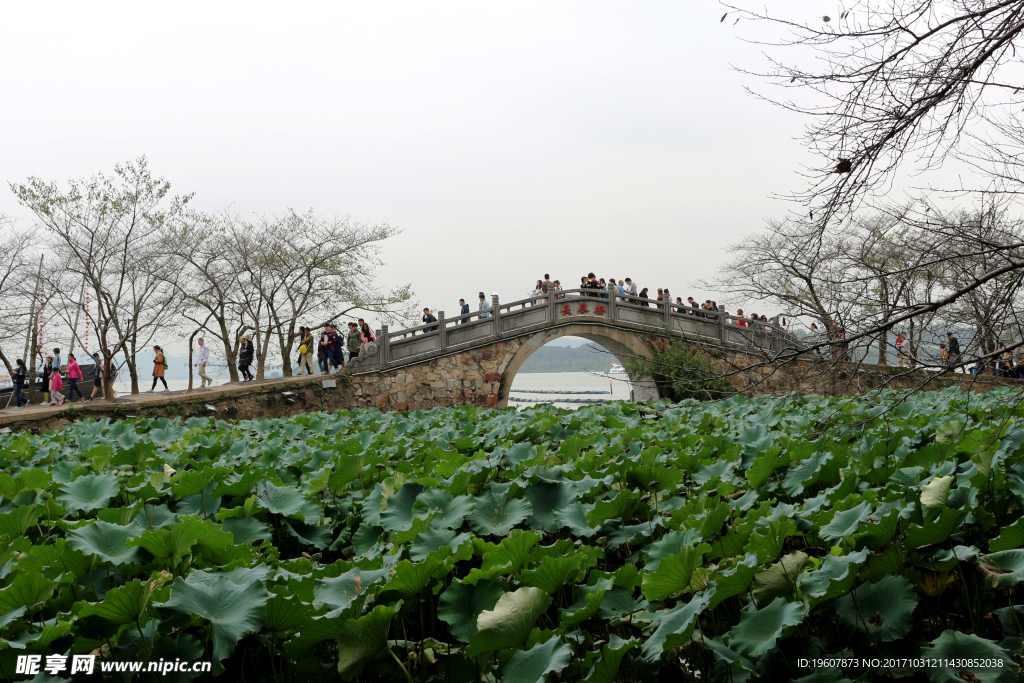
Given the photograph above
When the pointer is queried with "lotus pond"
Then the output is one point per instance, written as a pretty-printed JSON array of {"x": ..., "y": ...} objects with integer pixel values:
[{"x": 726, "y": 541}]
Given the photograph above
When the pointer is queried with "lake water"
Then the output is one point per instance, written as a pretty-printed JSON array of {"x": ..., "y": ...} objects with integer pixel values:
[
  {"x": 533, "y": 381},
  {"x": 565, "y": 381}
]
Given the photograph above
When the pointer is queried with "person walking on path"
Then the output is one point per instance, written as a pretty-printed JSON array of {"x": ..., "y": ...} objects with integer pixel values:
[
  {"x": 306, "y": 350},
  {"x": 485, "y": 305},
  {"x": 56, "y": 384},
  {"x": 202, "y": 358},
  {"x": 44, "y": 381},
  {"x": 245, "y": 353},
  {"x": 56, "y": 360},
  {"x": 19, "y": 382},
  {"x": 74, "y": 374},
  {"x": 463, "y": 311},
  {"x": 97, "y": 375},
  {"x": 366, "y": 334},
  {"x": 159, "y": 365},
  {"x": 324, "y": 354},
  {"x": 953, "y": 345},
  {"x": 355, "y": 340},
  {"x": 428, "y": 318}
]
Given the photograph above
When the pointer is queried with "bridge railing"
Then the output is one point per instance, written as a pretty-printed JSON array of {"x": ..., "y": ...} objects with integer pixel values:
[{"x": 510, "y": 319}]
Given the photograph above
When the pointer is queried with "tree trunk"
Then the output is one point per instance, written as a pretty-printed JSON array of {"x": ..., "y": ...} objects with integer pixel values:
[
  {"x": 882, "y": 341},
  {"x": 229, "y": 353},
  {"x": 133, "y": 371},
  {"x": 190, "y": 340},
  {"x": 286, "y": 352}
]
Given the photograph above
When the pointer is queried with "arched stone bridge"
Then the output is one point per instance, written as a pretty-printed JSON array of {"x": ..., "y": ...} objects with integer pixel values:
[{"x": 473, "y": 359}]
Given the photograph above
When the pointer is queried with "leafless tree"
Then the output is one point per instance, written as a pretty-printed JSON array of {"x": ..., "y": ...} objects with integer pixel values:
[
  {"x": 18, "y": 260},
  {"x": 104, "y": 230}
]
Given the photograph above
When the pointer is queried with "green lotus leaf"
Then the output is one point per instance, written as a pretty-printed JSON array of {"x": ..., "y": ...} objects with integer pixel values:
[
  {"x": 935, "y": 493},
  {"x": 182, "y": 647},
  {"x": 1010, "y": 537},
  {"x": 433, "y": 540},
  {"x": 845, "y": 523},
  {"x": 398, "y": 516},
  {"x": 27, "y": 590},
  {"x": 15, "y": 523},
  {"x": 1002, "y": 570},
  {"x": 934, "y": 531},
  {"x": 673, "y": 627},
  {"x": 238, "y": 485},
  {"x": 836, "y": 577},
  {"x": 446, "y": 511},
  {"x": 779, "y": 580},
  {"x": 981, "y": 659},
  {"x": 583, "y": 609},
  {"x": 339, "y": 593},
  {"x": 289, "y": 501},
  {"x": 126, "y": 604},
  {"x": 884, "y": 610},
  {"x": 308, "y": 534},
  {"x": 496, "y": 513},
  {"x": 246, "y": 529},
  {"x": 674, "y": 573},
  {"x": 553, "y": 573},
  {"x": 170, "y": 545},
  {"x": 758, "y": 631},
  {"x": 671, "y": 543},
  {"x": 285, "y": 613},
  {"x": 194, "y": 482},
  {"x": 461, "y": 604},
  {"x": 574, "y": 518},
  {"x": 510, "y": 622},
  {"x": 546, "y": 498},
  {"x": 620, "y": 507},
  {"x": 530, "y": 666},
  {"x": 361, "y": 640},
  {"x": 735, "y": 580},
  {"x": 235, "y": 605},
  {"x": 606, "y": 668},
  {"x": 89, "y": 492},
  {"x": 109, "y": 542},
  {"x": 410, "y": 578}
]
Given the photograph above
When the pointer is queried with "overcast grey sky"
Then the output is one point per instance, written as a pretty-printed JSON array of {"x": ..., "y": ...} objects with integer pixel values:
[{"x": 506, "y": 140}]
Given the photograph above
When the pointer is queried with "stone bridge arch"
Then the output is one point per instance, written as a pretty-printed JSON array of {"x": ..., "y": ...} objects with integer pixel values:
[{"x": 620, "y": 343}]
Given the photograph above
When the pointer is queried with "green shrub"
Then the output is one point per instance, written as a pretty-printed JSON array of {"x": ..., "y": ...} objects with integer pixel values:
[{"x": 680, "y": 370}]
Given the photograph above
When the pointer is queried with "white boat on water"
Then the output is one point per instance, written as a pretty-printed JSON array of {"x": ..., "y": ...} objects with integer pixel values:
[{"x": 617, "y": 371}]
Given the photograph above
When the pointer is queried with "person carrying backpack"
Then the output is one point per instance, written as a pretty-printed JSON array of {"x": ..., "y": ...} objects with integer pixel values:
[{"x": 159, "y": 364}]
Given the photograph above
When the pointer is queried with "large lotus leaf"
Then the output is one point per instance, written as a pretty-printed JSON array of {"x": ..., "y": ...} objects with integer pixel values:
[
  {"x": 446, "y": 511},
  {"x": 674, "y": 573},
  {"x": 309, "y": 534},
  {"x": 398, "y": 515},
  {"x": 584, "y": 608},
  {"x": 510, "y": 622},
  {"x": 107, "y": 541},
  {"x": 126, "y": 604},
  {"x": 461, "y": 604},
  {"x": 28, "y": 590},
  {"x": 496, "y": 513},
  {"x": 606, "y": 669},
  {"x": 846, "y": 523},
  {"x": 878, "y": 533},
  {"x": 620, "y": 508},
  {"x": 15, "y": 523},
  {"x": 779, "y": 580},
  {"x": 672, "y": 627},
  {"x": 935, "y": 493},
  {"x": 411, "y": 578},
  {"x": 768, "y": 541},
  {"x": 758, "y": 631},
  {"x": 170, "y": 545},
  {"x": 246, "y": 529},
  {"x": 232, "y": 610},
  {"x": 547, "y": 498},
  {"x": 339, "y": 593},
  {"x": 239, "y": 485},
  {"x": 762, "y": 468},
  {"x": 836, "y": 577},
  {"x": 55, "y": 559},
  {"x": 1010, "y": 537},
  {"x": 671, "y": 543},
  {"x": 361, "y": 640},
  {"x": 735, "y": 580},
  {"x": 289, "y": 501},
  {"x": 194, "y": 482},
  {"x": 934, "y": 531},
  {"x": 883, "y": 610},
  {"x": 89, "y": 492},
  {"x": 432, "y": 540},
  {"x": 285, "y": 613},
  {"x": 530, "y": 666},
  {"x": 967, "y": 653},
  {"x": 1002, "y": 570},
  {"x": 553, "y": 573},
  {"x": 574, "y": 518}
]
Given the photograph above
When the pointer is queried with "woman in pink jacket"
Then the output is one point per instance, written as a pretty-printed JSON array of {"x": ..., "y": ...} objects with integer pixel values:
[{"x": 74, "y": 374}]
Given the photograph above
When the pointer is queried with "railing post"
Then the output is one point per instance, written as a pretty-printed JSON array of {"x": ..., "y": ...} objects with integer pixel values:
[
  {"x": 383, "y": 346},
  {"x": 496, "y": 314},
  {"x": 721, "y": 326},
  {"x": 552, "y": 316},
  {"x": 611, "y": 304},
  {"x": 442, "y": 333},
  {"x": 668, "y": 315}
]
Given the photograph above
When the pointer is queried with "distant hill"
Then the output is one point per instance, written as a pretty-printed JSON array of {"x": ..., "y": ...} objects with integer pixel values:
[{"x": 568, "y": 359}]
